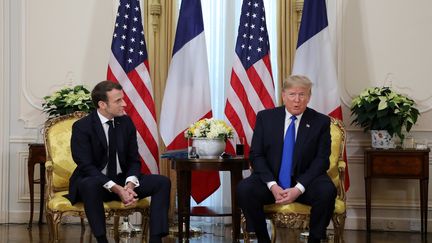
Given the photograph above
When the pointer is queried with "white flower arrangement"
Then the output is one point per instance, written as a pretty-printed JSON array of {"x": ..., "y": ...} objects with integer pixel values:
[{"x": 209, "y": 128}]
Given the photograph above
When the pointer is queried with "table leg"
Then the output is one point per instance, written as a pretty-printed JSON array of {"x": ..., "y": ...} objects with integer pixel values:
[
  {"x": 30, "y": 171},
  {"x": 187, "y": 203},
  {"x": 42, "y": 189},
  {"x": 424, "y": 204},
  {"x": 183, "y": 201},
  {"x": 368, "y": 204},
  {"x": 236, "y": 176}
]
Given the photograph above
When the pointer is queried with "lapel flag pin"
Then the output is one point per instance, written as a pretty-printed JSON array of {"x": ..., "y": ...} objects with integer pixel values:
[{"x": 307, "y": 125}]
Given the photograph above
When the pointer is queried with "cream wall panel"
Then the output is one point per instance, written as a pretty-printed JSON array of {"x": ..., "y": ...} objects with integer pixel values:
[
  {"x": 52, "y": 44},
  {"x": 388, "y": 36},
  {"x": 377, "y": 38},
  {"x": 63, "y": 43},
  {"x": 4, "y": 109}
]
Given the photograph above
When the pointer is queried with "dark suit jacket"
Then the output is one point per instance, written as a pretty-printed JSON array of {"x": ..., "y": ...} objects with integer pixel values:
[
  {"x": 311, "y": 150},
  {"x": 90, "y": 150}
]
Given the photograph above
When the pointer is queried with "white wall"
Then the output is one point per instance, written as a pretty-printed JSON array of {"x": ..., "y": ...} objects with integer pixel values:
[
  {"x": 51, "y": 44},
  {"x": 46, "y": 44},
  {"x": 381, "y": 37}
]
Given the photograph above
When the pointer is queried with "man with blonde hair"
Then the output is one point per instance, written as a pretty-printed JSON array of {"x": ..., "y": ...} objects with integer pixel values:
[{"x": 290, "y": 156}]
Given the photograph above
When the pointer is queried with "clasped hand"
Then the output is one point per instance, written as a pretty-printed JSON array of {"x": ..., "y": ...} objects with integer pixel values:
[
  {"x": 127, "y": 195},
  {"x": 285, "y": 196}
]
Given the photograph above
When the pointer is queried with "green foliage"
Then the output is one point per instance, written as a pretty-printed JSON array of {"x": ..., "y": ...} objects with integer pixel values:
[
  {"x": 381, "y": 108},
  {"x": 68, "y": 100}
]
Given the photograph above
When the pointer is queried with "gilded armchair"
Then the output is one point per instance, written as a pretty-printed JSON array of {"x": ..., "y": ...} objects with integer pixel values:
[
  {"x": 296, "y": 215},
  {"x": 59, "y": 167}
]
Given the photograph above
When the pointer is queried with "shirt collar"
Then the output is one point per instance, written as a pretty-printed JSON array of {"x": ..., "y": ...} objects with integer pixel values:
[
  {"x": 102, "y": 118},
  {"x": 288, "y": 115}
]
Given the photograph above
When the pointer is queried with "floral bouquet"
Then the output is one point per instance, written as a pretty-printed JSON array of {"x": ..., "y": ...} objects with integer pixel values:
[
  {"x": 68, "y": 100},
  {"x": 209, "y": 128}
]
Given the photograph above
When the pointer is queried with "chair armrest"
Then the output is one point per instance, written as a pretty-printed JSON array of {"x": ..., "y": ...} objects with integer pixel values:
[
  {"x": 49, "y": 167},
  {"x": 341, "y": 165},
  {"x": 341, "y": 187}
]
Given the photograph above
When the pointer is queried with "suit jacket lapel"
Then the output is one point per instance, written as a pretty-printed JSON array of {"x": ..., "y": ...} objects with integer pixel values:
[
  {"x": 302, "y": 133},
  {"x": 99, "y": 129},
  {"x": 279, "y": 124}
]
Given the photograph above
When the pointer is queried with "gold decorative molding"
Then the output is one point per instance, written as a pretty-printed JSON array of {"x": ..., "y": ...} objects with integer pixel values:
[
  {"x": 289, "y": 17},
  {"x": 299, "y": 11},
  {"x": 155, "y": 12}
]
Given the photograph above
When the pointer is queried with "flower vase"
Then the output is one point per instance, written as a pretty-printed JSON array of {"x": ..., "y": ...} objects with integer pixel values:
[
  {"x": 208, "y": 148},
  {"x": 382, "y": 139}
]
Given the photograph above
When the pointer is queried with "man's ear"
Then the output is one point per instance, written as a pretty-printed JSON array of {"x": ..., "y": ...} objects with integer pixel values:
[
  {"x": 101, "y": 104},
  {"x": 283, "y": 94}
]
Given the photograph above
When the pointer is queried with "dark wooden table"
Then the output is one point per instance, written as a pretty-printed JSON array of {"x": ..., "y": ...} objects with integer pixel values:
[
  {"x": 184, "y": 167},
  {"x": 36, "y": 156},
  {"x": 398, "y": 164}
]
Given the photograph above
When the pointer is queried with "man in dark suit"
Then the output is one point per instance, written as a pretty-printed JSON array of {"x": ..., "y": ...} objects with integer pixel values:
[
  {"x": 105, "y": 173},
  {"x": 306, "y": 180}
]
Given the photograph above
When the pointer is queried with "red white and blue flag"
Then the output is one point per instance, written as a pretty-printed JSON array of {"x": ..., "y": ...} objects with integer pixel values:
[
  {"x": 251, "y": 86},
  {"x": 187, "y": 91},
  {"x": 315, "y": 59},
  {"x": 129, "y": 66}
]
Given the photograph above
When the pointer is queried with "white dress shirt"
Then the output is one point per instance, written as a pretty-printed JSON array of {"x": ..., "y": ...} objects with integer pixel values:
[
  {"x": 286, "y": 125},
  {"x": 111, "y": 183}
]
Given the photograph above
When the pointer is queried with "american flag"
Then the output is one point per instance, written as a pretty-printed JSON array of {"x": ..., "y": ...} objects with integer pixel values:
[
  {"x": 128, "y": 65},
  {"x": 251, "y": 86}
]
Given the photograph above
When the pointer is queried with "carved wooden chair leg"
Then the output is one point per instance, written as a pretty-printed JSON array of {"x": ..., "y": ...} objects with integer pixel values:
[
  {"x": 246, "y": 236},
  {"x": 56, "y": 224},
  {"x": 116, "y": 228},
  {"x": 273, "y": 232},
  {"x": 82, "y": 224},
  {"x": 144, "y": 225},
  {"x": 50, "y": 223},
  {"x": 338, "y": 225}
]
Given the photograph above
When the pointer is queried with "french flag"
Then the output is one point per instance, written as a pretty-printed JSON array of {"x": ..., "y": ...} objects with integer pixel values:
[
  {"x": 187, "y": 91},
  {"x": 315, "y": 59}
]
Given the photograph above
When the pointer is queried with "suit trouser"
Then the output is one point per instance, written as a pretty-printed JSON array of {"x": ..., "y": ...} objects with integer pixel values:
[
  {"x": 253, "y": 194},
  {"x": 93, "y": 194}
]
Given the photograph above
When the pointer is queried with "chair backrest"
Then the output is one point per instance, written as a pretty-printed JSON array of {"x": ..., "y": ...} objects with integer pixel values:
[
  {"x": 338, "y": 136},
  {"x": 58, "y": 132}
]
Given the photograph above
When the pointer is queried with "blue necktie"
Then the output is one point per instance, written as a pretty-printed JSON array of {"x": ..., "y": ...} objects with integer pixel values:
[{"x": 287, "y": 155}]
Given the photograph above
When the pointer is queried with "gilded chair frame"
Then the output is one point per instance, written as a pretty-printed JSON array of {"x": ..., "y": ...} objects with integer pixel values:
[
  {"x": 54, "y": 214},
  {"x": 281, "y": 216}
]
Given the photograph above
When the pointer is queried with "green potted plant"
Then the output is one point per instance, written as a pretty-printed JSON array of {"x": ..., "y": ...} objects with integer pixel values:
[
  {"x": 381, "y": 108},
  {"x": 68, "y": 100}
]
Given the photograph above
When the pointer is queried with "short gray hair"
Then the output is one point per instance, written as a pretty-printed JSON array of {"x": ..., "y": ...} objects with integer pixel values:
[{"x": 296, "y": 81}]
